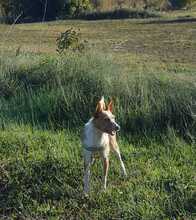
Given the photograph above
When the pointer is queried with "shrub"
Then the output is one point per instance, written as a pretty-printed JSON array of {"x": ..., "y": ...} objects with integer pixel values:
[{"x": 70, "y": 39}]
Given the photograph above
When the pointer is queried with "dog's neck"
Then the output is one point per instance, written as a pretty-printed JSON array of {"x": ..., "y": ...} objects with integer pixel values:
[
  {"x": 94, "y": 137},
  {"x": 98, "y": 131}
]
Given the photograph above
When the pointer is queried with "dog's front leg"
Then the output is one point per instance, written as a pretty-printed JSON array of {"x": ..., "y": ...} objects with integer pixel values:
[
  {"x": 87, "y": 165},
  {"x": 117, "y": 152},
  {"x": 106, "y": 168}
]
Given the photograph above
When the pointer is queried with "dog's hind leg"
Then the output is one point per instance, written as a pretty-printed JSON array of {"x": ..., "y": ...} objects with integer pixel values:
[
  {"x": 117, "y": 152},
  {"x": 87, "y": 165}
]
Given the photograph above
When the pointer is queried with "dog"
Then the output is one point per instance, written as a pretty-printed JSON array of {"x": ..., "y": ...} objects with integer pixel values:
[{"x": 99, "y": 136}]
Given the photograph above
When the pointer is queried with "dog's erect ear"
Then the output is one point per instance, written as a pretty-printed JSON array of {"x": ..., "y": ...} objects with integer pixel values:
[
  {"x": 110, "y": 106},
  {"x": 100, "y": 106}
]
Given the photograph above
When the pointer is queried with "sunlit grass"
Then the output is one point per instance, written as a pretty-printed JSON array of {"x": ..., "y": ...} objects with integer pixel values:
[{"x": 41, "y": 175}]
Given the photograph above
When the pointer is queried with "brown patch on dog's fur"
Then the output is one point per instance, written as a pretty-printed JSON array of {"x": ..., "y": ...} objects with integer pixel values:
[
  {"x": 100, "y": 107},
  {"x": 110, "y": 106},
  {"x": 112, "y": 142},
  {"x": 102, "y": 121}
]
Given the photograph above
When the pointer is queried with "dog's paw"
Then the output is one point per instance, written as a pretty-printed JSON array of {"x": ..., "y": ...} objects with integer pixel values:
[
  {"x": 103, "y": 190},
  {"x": 124, "y": 175},
  {"x": 85, "y": 195}
]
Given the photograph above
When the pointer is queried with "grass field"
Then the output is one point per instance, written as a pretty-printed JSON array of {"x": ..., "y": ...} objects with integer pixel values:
[{"x": 149, "y": 68}]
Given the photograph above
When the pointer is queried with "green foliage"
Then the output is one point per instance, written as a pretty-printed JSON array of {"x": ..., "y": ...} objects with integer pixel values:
[{"x": 70, "y": 39}]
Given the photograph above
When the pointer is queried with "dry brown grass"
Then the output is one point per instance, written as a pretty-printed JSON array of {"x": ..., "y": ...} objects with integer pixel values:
[{"x": 143, "y": 39}]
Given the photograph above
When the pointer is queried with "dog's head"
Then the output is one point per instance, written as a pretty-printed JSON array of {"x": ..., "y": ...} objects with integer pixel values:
[{"x": 104, "y": 120}]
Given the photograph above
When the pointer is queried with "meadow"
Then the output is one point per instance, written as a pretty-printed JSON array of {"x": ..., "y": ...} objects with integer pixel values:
[{"x": 148, "y": 67}]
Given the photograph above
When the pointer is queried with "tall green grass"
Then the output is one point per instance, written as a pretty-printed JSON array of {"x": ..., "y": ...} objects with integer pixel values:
[
  {"x": 62, "y": 91},
  {"x": 41, "y": 170}
]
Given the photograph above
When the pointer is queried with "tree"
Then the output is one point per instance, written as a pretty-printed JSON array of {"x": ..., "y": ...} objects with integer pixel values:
[
  {"x": 41, "y": 9},
  {"x": 37, "y": 10},
  {"x": 33, "y": 10},
  {"x": 74, "y": 8},
  {"x": 178, "y": 3},
  {"x": 11, "y": 9}
]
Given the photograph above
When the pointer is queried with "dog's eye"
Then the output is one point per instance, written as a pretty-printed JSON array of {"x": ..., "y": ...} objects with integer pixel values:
[{"x": 107, "y": 119}]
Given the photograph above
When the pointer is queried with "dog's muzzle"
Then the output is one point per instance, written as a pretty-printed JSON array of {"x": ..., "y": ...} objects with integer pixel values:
[{"x": 117, "y": 127}]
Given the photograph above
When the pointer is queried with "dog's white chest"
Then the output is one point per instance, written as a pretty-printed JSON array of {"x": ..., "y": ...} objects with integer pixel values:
[{"x": 93, "y": 137}]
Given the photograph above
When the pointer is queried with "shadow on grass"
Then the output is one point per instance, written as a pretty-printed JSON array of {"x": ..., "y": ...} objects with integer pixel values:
[
  {"x": 117, "y": 14},
  {"x": 173, "y": 21},
  {"x": 22, "y": 182}
]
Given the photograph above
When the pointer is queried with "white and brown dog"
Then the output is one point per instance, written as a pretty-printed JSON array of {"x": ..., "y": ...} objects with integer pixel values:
[{"x": 99, "y": 136}]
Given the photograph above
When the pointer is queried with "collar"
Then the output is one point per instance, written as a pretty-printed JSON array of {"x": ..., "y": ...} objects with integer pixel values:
[{"x": 94, "y": 148}]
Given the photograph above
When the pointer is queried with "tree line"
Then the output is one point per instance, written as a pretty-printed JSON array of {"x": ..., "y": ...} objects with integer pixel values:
[
  {"x": 37, "y": 10},
  {"x": 41, "y": 9}
]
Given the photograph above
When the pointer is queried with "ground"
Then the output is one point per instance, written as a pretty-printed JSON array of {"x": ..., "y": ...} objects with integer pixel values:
[{"x": 41, "y": 167}]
